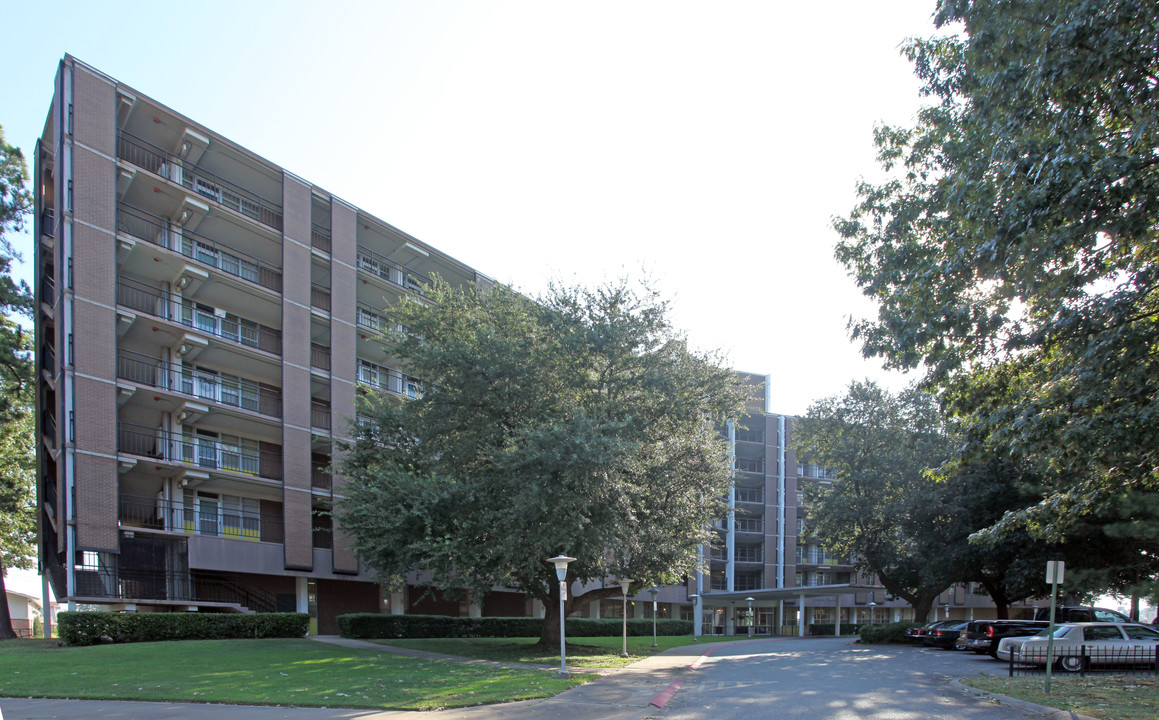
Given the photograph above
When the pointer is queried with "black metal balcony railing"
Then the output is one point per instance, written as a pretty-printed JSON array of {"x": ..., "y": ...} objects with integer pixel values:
[
  {"x": 48, "y": 222},
  {"x": 156, "y": 514},
  {"x": 320, "y": 475},
  {"x": 47, "y": 290},
  {"x": 174, "y": 586},
  {"x": 49, "y": 489},
  {"x": 747, "y": 465},
  {"x": 750, "y": 436},
  {"x": 750, "y": 495},
  {"x": 319, "y": 356},
  {"x": 392, "y": 381},
  {"x": 156, "y": 160},
  {"x": 148, "y": 299},
  {"x": 750, "y": 525},
  {"x": 48, "y": 358},
  {"x": 320, "y": 237},
  {"x": 319, "y": 415},
  {"x": 390, "y": 270},
  {"x": 320, "y": 297},
  {"x": 235, "y": 392},
  {"x": 48, "y": 424},
  {"x": 167, "y": 234},
  {"x": 198, "y": 451}
]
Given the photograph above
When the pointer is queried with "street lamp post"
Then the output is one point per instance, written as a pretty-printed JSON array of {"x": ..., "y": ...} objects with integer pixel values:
[
  {"x": 560, "y": 562},
  {"x": 654, "y": 591},
  {"x": 624, "y": 584},
  {"x": 871, "y": 605},
  {"x": 697, "y": 623},
  {"x": 749, "y": 600}
]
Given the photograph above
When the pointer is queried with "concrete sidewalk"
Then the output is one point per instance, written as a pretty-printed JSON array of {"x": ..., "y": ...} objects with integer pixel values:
[{"x": 618, "y": 694}]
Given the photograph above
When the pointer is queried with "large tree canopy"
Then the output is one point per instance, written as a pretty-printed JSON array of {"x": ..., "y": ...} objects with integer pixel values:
[
  {"x": 881, "y": 509},
  {"x": 17, "y": 441},
  {"x": 579, "y": 424},
  {"x": 1013, "y": 249}
]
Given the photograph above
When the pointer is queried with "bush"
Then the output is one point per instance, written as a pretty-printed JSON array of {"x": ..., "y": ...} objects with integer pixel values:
[
  {"x": 373, "y": 625},
  {"x": 89, "y": 628},
  {"x": 831, "y": 629},
  {"x": 886, "y": 634}
]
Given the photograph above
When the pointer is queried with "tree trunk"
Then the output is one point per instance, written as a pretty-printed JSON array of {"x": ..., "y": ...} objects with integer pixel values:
[
  {"x": 998, "y": 596},
  {"x": 549, "y": 634},
  {"x": 6, "y": 631}
]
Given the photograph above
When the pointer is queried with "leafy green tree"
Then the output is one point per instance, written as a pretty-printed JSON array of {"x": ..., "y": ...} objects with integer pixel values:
[
  {"x": 17, "y": 499},
  {"x": 17, "y": 447},
  {"x": 882, "y": 510},
  {"x": 1012, "y": 251},
  {"x": 579, "y": 424}
]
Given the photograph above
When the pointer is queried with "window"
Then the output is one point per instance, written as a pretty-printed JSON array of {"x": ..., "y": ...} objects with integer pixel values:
[{"x": 1104, "y": 632}]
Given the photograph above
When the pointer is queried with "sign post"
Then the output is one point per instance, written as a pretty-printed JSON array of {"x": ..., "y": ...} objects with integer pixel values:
[{"x": 1054, "y": 574}]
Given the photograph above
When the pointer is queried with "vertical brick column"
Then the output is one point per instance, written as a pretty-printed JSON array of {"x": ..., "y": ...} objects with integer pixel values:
[
  {"x": 296, "y": 437},
  {"x": 343, "y": 348},
  {"x": 93, "y": 147}
]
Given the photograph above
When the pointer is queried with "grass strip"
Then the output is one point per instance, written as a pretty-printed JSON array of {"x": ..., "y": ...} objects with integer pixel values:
[
  {"x": 261, "y": 672},
  {"x": 1110, "y": 697},
  {"x": 582, "y": 652}
]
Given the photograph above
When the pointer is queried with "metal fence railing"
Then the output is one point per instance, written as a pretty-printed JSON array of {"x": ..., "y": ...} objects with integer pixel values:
[
  {"x": 163, "y": 304},
  {"x": 1087, "y": 658},
  {"x": 168, "y": 234},
  {"x": 236, "y": 524},
  {"x": 156, "y": 160},
  {"x": 199, "y": 451},
  {"x": 227, "y": 390},
  {"x": 320, "y": 237},
  {"x": 319, "y": 356}
]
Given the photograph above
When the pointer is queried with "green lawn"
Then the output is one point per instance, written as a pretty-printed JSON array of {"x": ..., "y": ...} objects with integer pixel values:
[
  {"x": 1112, "y": 697},
  {"x": 582, "y": 652},
  {"x": 263, "y": 672}
]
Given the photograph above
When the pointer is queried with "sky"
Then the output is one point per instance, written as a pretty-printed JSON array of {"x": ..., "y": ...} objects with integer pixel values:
[{"x": 703, "y": 146}]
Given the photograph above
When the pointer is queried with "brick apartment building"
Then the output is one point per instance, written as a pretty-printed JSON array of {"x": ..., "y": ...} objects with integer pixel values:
[{"x": 204, "y": 321}]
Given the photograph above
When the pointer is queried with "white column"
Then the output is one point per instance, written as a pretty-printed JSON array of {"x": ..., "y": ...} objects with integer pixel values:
[
  {"x": 837, "y": 626},
  {"x": 301, "y": 595},
  {"x": 801, "y": 615},
  {"x": 397, "y": 604}
]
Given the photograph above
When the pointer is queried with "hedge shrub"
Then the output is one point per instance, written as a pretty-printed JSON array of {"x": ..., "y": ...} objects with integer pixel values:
[
  {"x": 89, "y": 628},
  {"x": 373, "y": 625},
  {"x": 831, "y": 629},
  {"x": 886, "y": 634}
]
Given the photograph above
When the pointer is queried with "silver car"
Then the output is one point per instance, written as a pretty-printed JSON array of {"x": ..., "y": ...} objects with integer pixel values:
[{"x": 1080, "y": 645}]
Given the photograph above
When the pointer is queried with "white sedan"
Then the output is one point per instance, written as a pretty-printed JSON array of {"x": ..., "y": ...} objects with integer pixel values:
[{"x": 1078, "y": 645}]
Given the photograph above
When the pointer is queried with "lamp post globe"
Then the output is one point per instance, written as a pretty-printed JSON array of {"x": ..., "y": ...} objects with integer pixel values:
[
  {"x": 624, "y": 585},
  {"x": 561, "y": 563}
]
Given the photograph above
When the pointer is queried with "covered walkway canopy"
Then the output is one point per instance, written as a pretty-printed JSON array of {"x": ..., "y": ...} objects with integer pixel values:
[{"x": 779, "y": 595}]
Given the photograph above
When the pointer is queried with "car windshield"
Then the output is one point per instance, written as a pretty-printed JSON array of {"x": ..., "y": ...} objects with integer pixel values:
[{"x": 1059, "y": 631}]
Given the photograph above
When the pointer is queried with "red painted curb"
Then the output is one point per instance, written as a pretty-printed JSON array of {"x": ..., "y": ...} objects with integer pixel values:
[{"x": 662, "y": 699}]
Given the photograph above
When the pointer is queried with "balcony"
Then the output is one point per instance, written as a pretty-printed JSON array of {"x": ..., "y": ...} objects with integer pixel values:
[
  {"x": 199, "y": 383},
  {"x": 320, "y": 297},
  {"x": 203, "y": 452},
  {"x": 320, "y": 477},
  {"x": 143, "y": 154},
  {"x": 390, "y": 271},
  {"x": 167, "y": 234},
  {"x": 227, "y": 326},
  {"x": 319, "y": 356},
  {"x": 750, "y": 525},
  {"x": 48, "y": 222},
  {"x": 320, "y": 237},
  {"x": 749, "y": 465},
  {"x": 47, "y": 290},
  {"x": 750, "y": 436},
  {"x": 319, "y": 415},
  {"x": 392, "y": 381},
  {"x": 177, "y": 587},
  {"x": 151, "y": 513}
]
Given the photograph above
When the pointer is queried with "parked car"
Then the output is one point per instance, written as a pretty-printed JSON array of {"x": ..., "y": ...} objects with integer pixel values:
[
  {"x": 945, "y": 636},
  {"x": 1079, "y": 645},
  {"x": 983, "y": 636},
  {"x": 915, "y": 634}
]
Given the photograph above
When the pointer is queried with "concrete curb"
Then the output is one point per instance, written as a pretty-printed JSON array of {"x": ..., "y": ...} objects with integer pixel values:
[{"x": 1044, "y": 710}]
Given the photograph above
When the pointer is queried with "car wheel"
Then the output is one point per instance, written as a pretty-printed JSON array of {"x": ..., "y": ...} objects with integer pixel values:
[{"x": 1072, "y": 663}]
